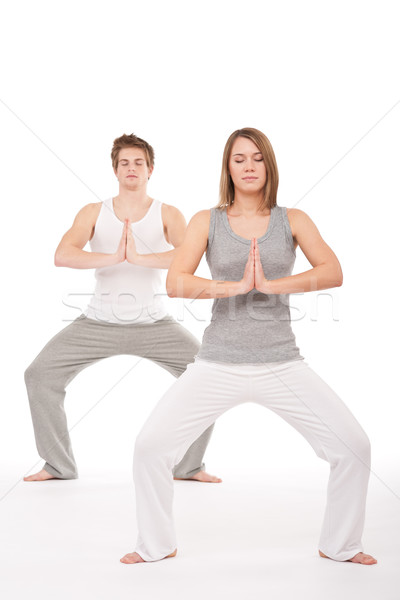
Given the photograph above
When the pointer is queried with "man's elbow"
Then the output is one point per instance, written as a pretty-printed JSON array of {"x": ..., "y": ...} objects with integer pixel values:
[
  {"x": 60, "y": 259},
  {"x": 57, "y": 259}
]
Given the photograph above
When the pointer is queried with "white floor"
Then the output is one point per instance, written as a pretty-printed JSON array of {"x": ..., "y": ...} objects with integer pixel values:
[{"x": 249, "y": 537}]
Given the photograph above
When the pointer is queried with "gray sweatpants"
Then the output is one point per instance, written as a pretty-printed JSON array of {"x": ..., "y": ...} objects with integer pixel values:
[{"x": 82, "y": 343}]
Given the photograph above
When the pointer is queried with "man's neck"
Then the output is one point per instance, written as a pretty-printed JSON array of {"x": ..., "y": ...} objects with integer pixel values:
[{"x": 132, "y": 198}]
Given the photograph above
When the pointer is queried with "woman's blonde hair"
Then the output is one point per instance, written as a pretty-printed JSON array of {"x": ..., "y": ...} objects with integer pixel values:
[{"x": 226, "y": 187}]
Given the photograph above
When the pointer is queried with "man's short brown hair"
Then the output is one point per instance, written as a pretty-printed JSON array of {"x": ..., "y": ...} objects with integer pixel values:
[{"x": 131, "y": 141}]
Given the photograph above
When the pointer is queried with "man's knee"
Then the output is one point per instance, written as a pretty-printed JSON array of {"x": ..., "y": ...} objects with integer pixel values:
[{"x": 32, "y": 375}]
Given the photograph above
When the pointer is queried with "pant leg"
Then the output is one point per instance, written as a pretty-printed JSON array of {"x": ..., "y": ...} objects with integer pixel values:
[
  {"x": 172, "y": 347},
  {"x": 193, "y": 402},
  {"x": 77, "y": 346},
  {"x": 295, "y": 392}
]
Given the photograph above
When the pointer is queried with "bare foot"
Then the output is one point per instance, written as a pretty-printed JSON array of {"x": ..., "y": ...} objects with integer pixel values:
[
  {"x": 134, "y": 557},
  {"x": 361, "y": 558},
  {"x": 40, "y": 476},
  {"x": 201, "y": 476}
]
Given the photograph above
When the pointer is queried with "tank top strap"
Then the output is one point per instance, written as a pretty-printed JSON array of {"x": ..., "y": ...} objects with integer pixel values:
[
  {"x": 211, "y": 229},
  {"x": 286, "y": 226},
  {"x": 108, "y": 204}
]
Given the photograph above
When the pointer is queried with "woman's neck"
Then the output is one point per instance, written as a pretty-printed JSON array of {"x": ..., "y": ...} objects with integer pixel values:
[{"x": 248, "y": 204}]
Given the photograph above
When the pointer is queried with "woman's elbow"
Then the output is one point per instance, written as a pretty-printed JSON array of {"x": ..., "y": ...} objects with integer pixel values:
[
  {"x": 339, "y": 279},
  {"x": 336, "y": 279},
  {"x": 175, "y": 284},
  {"x": 58, "y": 259},
  {"x": 171, "y": 292}
]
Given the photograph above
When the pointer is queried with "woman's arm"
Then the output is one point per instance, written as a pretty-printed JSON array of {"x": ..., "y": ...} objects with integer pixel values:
[
  {"x": 326, "y": 272},
  {"x": 181, "y": 281}
]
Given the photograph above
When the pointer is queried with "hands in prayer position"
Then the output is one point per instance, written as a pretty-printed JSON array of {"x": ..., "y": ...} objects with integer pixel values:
[
  {"x": 127, "y": 247},
  {"x": 253, "y": 276}
]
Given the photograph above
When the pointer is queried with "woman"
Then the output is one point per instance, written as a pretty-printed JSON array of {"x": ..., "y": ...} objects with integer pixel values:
[{"x": 249, "y": 352}]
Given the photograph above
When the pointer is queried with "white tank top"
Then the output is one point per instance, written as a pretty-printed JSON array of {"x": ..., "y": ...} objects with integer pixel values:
[{"x": 127, "y": 293}]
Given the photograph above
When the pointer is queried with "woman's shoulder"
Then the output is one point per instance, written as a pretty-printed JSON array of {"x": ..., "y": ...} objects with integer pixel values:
[
  {"x": 201, "y": 218},
  {"x": 295, "y": 215}
]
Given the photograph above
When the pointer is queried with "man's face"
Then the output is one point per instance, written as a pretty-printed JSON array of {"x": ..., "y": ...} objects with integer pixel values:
[{"x": 132, "y": 171}]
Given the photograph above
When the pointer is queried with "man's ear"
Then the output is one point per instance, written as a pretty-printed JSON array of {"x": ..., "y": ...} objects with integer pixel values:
[{"x": 150, "y": 171}]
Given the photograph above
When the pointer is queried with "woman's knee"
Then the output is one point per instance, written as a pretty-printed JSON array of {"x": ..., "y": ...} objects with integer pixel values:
[
  {"x": 362, "y": 447},
  {"x": 357, "y": 449},
  {"x": 148, "y": 445}
]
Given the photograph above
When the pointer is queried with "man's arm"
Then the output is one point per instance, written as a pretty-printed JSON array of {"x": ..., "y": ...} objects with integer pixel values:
[
  {"x": 70, "y": 251},
  {"x": 174, "y": 231}
]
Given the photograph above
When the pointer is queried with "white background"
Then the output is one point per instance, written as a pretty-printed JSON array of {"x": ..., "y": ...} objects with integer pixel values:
[{"x": 321, "y": 80}]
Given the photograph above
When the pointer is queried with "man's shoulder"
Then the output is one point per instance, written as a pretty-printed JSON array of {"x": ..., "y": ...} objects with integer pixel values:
[
  {"x": 89, "y": 212},
  {"x": 169, "y": 209},
  {"x": 92, "y": 208},
  {"x": 171, "y": 214}
]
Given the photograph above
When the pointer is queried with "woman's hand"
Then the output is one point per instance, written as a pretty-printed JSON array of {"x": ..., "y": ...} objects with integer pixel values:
[
  {"x": 260, "y": 281},
  {"x": 247, "y": 283}
]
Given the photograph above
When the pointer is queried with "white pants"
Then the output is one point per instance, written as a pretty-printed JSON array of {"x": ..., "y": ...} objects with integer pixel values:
[{"x": 292, "y": 390}]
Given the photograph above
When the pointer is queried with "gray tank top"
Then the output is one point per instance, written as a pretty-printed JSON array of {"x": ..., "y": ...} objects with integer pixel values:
[{"x": 253, "y": 327}]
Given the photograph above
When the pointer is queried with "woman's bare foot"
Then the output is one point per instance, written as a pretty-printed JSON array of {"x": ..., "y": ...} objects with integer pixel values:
[
  {"x": 40, "y": 476},
  {"x": 201, "y": 476},
  {"x": 134, "y": 557},
  {"x": 361, "y": 558}
]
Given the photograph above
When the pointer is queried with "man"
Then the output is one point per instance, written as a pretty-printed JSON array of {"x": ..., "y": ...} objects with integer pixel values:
[{"x": 132, "y": 238}]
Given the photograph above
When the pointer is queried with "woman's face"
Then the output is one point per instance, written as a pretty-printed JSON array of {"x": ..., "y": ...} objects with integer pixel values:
[{"x": 246, "y": 166}]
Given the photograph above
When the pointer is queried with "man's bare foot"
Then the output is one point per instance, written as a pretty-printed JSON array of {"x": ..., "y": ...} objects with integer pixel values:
[
  {"x": 201, "y": 476},
  {"x": 134, "y": 557},
  {"x": 361, "y": 558},
  {"x": 40, "y": 476}
]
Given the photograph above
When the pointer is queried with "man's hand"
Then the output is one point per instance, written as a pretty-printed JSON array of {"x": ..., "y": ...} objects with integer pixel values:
[
  {"x": 131, "y": 253},
  {"x": 120, "y": 254}
]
